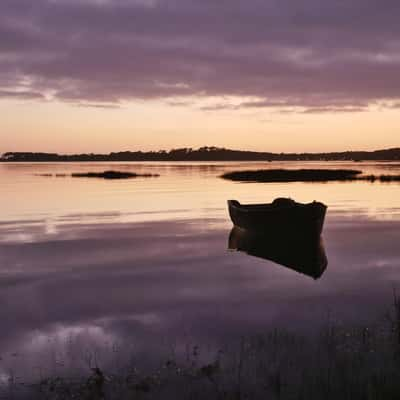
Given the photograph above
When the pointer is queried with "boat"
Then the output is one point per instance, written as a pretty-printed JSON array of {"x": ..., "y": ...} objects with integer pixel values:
[
  {"x": 301, "y": 253},
  {"x": 280, "y": 216}
]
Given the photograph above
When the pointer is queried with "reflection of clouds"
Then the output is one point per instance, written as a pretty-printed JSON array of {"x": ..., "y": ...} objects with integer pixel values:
[
  {"x": 60, "y": 335},
  {"x": 50, "y": 226},
  {"x": 59, "y": 349},
  {"x": 4, "y": 377},
  {"x": 145, "y": 319},
  {"x": 157, "y": 282},
  {"x": 19, "y": 237}
]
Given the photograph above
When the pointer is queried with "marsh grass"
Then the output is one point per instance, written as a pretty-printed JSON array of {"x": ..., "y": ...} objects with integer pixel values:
[
  {"x": 108, "y": 175},
  {"x": 337, "y": 362},
  {"x": 112, "y": 175},
  {"x": 305, "y": 175}
]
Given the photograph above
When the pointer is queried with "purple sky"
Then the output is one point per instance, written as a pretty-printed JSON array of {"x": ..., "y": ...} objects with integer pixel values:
[{"x": 319, "y": 55}]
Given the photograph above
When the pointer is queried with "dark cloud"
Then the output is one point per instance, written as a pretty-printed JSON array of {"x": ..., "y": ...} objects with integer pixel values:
[
  {"x": 308, "y": 53},
  {"x": 23, "y": 95}
]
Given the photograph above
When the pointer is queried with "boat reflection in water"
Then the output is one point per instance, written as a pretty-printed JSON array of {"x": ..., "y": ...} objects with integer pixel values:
[{"x": 295, "y": 250}]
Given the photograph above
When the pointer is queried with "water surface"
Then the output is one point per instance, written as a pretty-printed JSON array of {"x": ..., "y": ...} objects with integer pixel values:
[{"x": 143, "y": 263}]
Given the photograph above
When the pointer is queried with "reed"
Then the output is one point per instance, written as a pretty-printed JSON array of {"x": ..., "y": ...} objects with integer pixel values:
[
  {"x": 293, "y": 175},
  {"x": 306, "y": 175},
  {"x": 337, "y": 362}
]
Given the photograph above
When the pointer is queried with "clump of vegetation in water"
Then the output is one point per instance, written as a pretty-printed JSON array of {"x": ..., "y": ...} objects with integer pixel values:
[
  {"x": 337, "y": 363},
  {"x": 306, "y": 175},
  {"x": 381, "y": 178},
  {"x": 111, "y": 175},
  {"x": 293, "y": 175},
  {"x": 103, "y": 175}
]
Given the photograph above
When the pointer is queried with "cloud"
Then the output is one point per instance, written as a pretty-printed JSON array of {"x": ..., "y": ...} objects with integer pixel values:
[
  {"x": 179, "y": 103},
  {"x": 101, "y": 106},
  {"x": 219, "y": 106},
  {"x": 321, "y": 110},
  {"x": 311, "y": 54},
  {"x": 296, "y": 105},
  {"x": 21, "y": 95}
]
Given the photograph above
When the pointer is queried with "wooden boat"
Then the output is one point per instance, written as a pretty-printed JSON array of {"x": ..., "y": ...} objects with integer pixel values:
[
  {"x": 279, "y": 216},
  {"x": 294, "y": 250}
]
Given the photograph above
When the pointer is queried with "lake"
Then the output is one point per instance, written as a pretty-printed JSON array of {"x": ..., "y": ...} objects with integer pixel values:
[{"x": 95, "y": 271}]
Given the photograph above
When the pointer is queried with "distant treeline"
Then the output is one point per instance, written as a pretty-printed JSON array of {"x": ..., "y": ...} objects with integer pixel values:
[{"x": 203, "y": 154}]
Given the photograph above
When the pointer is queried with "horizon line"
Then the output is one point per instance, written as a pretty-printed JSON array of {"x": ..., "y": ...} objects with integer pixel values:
[{"x": 212, "y": 148}]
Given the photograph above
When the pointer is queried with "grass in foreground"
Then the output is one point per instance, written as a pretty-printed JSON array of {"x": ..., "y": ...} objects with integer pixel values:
[{"x": 337, "y": 363}]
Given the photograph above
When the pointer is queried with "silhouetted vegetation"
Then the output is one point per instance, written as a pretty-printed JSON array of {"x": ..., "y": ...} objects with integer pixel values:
[
  {"x": 102, "y": 175},
  {"x": 357, "y": 363},
  {"x": 380, "y": 178},
  {"x": 295, "y": 175},
  {"x": 203, "y": 154},
  {"x": 306, "y": 175},
  {"x": 111, "y": 175}
]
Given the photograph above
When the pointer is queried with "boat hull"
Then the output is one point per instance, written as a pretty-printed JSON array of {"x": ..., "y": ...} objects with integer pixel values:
[{"x": 279, "y": 217}]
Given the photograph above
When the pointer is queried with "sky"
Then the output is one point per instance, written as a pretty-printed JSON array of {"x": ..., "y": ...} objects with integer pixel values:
[{"x": 267, "y": 75}]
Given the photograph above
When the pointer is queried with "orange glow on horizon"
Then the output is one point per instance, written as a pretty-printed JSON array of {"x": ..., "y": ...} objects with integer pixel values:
[{"x": 154, "y": 125}]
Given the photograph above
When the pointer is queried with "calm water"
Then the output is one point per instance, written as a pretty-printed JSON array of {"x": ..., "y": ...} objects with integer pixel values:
[{"x": 90, "y": 268}]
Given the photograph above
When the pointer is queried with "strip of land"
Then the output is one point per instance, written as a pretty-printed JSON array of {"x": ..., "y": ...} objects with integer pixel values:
[{"x": 204, "y": 154}]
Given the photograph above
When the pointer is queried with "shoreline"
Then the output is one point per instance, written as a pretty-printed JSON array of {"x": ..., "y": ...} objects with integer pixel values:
[{"x": 204, "y": 154}]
